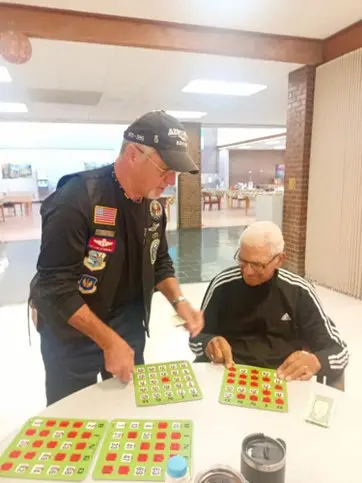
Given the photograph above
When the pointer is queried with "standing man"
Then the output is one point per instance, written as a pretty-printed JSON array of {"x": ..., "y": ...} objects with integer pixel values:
[{"x": 103, "y": 253}]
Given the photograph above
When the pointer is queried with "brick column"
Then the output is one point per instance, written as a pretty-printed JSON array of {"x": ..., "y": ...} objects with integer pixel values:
[
  {"x": 297, "y": 157},
  {"x": 189, "y": 185}
]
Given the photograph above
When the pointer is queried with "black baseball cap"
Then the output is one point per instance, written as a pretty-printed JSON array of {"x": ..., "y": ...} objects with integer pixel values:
[{"x": 167, "y": 136}]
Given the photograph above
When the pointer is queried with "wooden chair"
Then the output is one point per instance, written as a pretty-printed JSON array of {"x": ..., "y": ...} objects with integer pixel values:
[
  {"x": 211, "y": 199},
  {"x": 10, "y": 207},
  {"x": 2, "y": 212}
]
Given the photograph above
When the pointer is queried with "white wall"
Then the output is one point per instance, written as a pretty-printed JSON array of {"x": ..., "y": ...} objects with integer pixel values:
[{"x": 51, "y": 164}]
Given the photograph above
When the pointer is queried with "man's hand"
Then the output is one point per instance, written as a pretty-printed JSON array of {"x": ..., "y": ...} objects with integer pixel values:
[
  {"x": 218, "y": 350},
  {"x": 300, "y": 365},
  {"x": 194, "y": 319},
  {"x": 119, "y": 358}
]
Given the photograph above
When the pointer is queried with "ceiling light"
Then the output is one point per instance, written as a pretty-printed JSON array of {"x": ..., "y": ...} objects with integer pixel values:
[
  {"x": 279, "y": 147},
  {"x": 204, "y": 86},
  {"x": 12, "y": 107},
  {"x": 187, "y": 114},
  {"x": 274, "y": 141},
  {"x": 4, "y": 74}
]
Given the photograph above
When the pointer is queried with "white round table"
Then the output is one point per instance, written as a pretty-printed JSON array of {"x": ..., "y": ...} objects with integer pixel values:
[{"x": 314, "y": 454}]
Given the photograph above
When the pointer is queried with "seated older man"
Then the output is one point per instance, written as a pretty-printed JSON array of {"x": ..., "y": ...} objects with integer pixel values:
[{"x": 261, "y": 315}]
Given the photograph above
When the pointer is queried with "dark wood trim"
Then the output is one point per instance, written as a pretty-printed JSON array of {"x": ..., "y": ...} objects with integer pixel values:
[
  {"x": 343, "y": 42},
  {"x": 68, "y": 25}
]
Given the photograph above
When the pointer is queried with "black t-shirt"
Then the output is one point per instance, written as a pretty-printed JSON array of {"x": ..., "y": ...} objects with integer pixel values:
[{"x": 134, "y": 219}]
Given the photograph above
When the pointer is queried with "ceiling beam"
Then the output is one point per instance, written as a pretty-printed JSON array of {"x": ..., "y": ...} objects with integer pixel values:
[
  {"x": 67, "y": 25},
  {"x": 343, "y": 42}
]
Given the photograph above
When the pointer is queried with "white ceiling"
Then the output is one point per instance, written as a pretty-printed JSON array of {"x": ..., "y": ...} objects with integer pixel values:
[
  {"x": 307, "y": 18},
  {"x": 133, "y": 81}
]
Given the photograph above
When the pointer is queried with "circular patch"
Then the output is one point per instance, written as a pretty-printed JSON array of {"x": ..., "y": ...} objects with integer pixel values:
[
  {"x": 154, "y": 249},
  {"x": 155, "y": 210}
]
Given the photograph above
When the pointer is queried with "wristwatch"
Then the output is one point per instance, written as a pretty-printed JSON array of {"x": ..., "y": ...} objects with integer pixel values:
[{"x": 177, "y": 300}]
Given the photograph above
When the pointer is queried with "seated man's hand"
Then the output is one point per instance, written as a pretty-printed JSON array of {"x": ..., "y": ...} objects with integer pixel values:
[
  {"x": 218, "y": 350},
  {"x": 300, "y": 366}
]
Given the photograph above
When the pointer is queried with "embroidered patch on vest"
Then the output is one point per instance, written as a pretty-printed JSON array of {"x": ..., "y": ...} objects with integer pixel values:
[
  {"x": 104, "y": 215},
  {"x": 87, "y": 284}
]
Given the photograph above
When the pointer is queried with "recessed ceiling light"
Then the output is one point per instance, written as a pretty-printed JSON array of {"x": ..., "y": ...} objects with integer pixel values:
[
  {"x": 4, "y": 74},
  {"x": 13, "y": 107},
  {"x": 274, "y": 141},
  {"x": 187, "y": 114},
  {"x": 223, "y": 88}
]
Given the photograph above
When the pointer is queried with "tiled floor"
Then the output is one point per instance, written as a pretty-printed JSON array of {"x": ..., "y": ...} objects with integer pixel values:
[
  {"x": 19, "y": 227},
  {"x": 198, "y": 255}
]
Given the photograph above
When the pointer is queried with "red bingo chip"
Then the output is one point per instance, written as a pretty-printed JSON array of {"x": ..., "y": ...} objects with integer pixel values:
[
  {"x": 241, "y": 396},
  {"x": 160, "y": 446},
  {"x": 6, "y": 466},
  {"x": 243, "y": 376},
  {"x": 123, "y": 470},
  {"x": 279, "y": 401},
  {"x": 38, "y": 443},
  {"x": 266, "y": 399},
  {"x": 165, "y": 379},
  {"x": 30, "y": 432},
  {"x": 266, "y": 392},
  {"x": 52, "y": 444},
  {"x": 231, "y": 374},
  {"x": 44, "y": 433},
  {"x": 175, "y": 447},
  {"x": 107, "y": 470},
  {"x": 255, "y": 371},
  {"x": 15, "y": 454},
  {"x": 30, "y": 455},
  {"x": 64, "y": 424},
  {"x": 86, "y": 435},
  {"x": 75, "y": 457},
  {"x": 132, "y": 435},
  {"x": 242, "y": 382},
  {"x": 145, "y": 446},
  {"x": 163, "y": 426},
  {"x": 232, "y": 369},
  {"x": 231, "y": 381},
  {"x": 77, "y": 424},
  {"x": 161, "y": 435},
  {"x": 60, "y": 457},
  {"x": 253, "y": 398},
  {"x": 142, "y": 458},
  {"x": 254, "y": 384},
  {"x": 158, "y": 458},
  {"x": 279, "y": 387},
  {"x": 51, "y": 423},
  {"x": 266, "y": 379},
  {"x": 254, "y": 378},
  {"x": 81, "y": 446},
  {"x": 111, "y": 457},
  {"x": 72, "y": 434},
  {"x": 176, "y": 436}
]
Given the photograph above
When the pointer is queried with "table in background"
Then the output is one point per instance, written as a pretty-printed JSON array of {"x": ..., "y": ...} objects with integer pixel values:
[
  {"x": 25, "y": 201},
  {"x": 314, "y": 454}
]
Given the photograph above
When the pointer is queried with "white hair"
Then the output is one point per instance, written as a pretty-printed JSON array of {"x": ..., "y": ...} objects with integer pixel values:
[
  {"x": 264, "y": 234},
  {"x": 146, "y": 149}
]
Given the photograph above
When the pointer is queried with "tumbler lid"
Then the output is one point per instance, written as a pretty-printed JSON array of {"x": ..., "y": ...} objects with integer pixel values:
[{"x": 264, "y": 453}]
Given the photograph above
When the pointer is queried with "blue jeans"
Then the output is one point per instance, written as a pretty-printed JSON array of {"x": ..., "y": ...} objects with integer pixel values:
[{"x": 70, "y": 367}]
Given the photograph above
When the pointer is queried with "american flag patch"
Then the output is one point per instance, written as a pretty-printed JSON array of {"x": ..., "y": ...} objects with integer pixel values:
[{"x": 103, "y": 215}]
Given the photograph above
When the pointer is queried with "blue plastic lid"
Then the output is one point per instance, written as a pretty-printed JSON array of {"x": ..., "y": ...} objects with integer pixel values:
[{"x": 177, "y": 467}]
